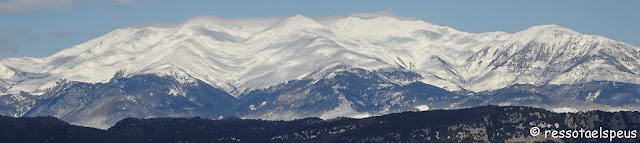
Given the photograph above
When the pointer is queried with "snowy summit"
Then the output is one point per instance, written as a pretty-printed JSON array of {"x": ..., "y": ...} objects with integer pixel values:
[{"x": 239, "y": 55}]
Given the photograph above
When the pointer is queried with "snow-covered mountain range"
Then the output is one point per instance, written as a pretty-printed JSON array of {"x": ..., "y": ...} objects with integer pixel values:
[
  {"x": 245, "y": 54},
  {"x": 295, "y": 67}
]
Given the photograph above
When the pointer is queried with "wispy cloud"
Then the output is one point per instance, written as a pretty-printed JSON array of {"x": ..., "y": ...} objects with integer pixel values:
[
  {"x": 388, "y": 12},
  {"x": 26, "y": 33},
  {"x": 20, "y": 6}
]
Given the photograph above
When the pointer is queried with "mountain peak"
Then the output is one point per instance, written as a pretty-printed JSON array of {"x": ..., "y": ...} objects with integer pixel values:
[
  {"x": 300, "y": 20},
  {"x": 549, "y": 29},
  {"x": 294, "y": 24},
  {"x": 299, "y": 16}
]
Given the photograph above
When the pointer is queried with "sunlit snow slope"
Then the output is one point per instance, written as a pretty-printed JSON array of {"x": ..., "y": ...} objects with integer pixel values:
[{"x": 239, "y": 55}]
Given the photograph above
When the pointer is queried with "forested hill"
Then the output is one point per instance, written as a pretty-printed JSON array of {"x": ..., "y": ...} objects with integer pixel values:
[{"x": 479, "y": 124}]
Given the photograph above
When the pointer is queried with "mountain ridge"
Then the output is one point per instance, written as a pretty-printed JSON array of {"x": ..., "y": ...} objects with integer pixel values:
[
  {"x": 343, "y": 91},
  {"x": 478, "y": 124},
  {"x": 238, "y": 55},
  {"x": 250, "y": 56}
]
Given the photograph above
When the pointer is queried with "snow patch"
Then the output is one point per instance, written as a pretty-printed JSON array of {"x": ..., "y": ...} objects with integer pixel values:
[
  {"x": 18, "y": 97},
  {"x": 344, "y": 110},
  {"x": 592, "y": 96},
  {"x": 422, "y": 107},
  {"x": 564, "y": 110}
]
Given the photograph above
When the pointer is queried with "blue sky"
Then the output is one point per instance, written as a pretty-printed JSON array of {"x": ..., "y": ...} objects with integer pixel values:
[{"x": 38, "y": 28}]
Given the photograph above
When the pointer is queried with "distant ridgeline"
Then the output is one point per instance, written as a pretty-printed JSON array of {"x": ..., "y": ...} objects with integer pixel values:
[
  {"x": 478, "y": 124},
  {"x": 350, "y": 92}
]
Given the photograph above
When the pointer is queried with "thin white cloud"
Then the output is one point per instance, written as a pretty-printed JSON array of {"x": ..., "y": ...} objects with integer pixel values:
[
  {"x": 388, "y": 13},
  {"x": 367, "y": 15},
  {"x": 20, "y": 6}
]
